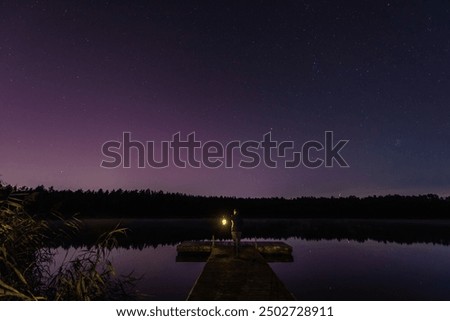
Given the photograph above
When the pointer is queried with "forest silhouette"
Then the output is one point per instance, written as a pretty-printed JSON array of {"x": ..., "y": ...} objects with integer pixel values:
[{"x": 158, "y": 204}]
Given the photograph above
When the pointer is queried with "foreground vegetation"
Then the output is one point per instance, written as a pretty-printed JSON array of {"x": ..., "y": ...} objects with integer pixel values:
[{"x": 27, "y": 257}]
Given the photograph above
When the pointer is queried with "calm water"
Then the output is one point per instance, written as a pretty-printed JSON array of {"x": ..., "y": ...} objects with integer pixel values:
[{"x": 353, "y": 268}]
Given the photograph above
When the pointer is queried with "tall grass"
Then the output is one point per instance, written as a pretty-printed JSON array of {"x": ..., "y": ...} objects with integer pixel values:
[{"x": 26, "y": 257}]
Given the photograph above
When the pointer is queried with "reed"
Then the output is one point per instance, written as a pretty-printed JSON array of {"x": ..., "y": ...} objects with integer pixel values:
[{"x": 26, "y": 257}]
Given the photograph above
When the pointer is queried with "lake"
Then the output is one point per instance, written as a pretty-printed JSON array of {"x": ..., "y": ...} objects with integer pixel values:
[{"x": 333, "y": 259}]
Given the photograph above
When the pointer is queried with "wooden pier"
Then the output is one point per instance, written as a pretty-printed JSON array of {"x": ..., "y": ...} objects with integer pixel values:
[{"x": 245, "y": 277}]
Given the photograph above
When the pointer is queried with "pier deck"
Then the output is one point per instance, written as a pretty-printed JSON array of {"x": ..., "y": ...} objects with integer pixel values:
[{"x": 246, "y": 277}]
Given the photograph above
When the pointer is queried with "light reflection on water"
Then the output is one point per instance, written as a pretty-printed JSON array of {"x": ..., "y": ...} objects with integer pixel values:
[{"x": 322, "y": 270}]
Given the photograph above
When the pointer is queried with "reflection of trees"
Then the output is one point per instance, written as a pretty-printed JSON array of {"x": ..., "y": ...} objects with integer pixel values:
[
  {"x": 26, "y": 258},
  {"x": 152, "y": 204},
  {"x": 154, "y": 233}
]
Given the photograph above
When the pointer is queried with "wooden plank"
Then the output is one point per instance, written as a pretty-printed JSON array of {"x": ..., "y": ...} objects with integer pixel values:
[
  {"x": 193, "y": 246},
  {"x": 247, "y": 277},
  {"x": 199, "y": 251},
  {"x": 262, "y": 247}
]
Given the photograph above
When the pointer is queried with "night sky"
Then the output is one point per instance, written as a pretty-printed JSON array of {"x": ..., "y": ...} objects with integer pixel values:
[{"x": 75, "y": 74}]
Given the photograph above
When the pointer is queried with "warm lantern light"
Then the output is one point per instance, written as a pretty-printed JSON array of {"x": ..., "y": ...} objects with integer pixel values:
[{"x": 224, "y": 221}]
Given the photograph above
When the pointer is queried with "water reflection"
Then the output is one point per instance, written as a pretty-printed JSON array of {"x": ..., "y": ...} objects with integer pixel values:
[
  {"x": 333, "y": 260},
  {"x": 349, "y": 270},
  {"x": 144, "y": 233},
  {"x": 161, "y": 278}
]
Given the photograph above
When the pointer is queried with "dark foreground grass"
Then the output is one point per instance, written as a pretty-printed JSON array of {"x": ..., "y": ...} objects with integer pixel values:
[{"x": 27, "y": 255}]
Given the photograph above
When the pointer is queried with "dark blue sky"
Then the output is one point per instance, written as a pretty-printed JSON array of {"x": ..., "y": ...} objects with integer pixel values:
[{"x": 74, "y": 74}]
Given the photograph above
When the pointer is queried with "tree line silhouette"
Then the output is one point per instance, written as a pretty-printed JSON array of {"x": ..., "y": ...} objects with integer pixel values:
[{"x": 158, "y": 204}]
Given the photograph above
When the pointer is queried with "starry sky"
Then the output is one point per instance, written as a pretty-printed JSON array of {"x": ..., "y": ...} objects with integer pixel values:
[{"x": 75, "y": 74}]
